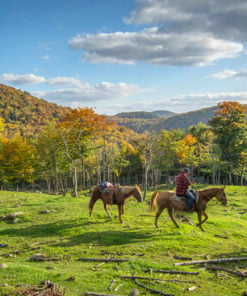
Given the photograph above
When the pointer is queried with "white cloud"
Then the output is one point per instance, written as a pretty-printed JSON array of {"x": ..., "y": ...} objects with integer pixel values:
[
  {"x": 190, "y": 102},
  {"x": 221, "y": 18},
  {"x": 182, "y": 33},
  {"x": 65, "y": 81},
  {"x": 231, "y": 74},
  {"x": 87, "y": 93},
  {"x": 21, "y": 79},
  {"x": 152, "y": 46}
]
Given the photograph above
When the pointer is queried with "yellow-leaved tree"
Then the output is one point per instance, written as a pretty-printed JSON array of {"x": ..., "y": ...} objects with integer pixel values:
[{"x": 77, "y": 128}]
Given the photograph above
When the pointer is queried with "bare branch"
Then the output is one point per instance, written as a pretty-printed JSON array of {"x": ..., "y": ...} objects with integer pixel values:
[{"x": 220, "y": 260}]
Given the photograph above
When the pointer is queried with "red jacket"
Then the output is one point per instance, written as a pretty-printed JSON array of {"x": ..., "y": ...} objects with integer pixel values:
[{"x": 182, "y": 184}]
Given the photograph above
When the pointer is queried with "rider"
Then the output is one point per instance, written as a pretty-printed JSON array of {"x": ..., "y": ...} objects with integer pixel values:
[
  {"x": 111, "y": 189},
  {"x": 182, "y": 188}
]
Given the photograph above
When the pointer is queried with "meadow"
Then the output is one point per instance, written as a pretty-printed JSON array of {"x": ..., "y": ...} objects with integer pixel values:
[{"x": 58, "y": 230}]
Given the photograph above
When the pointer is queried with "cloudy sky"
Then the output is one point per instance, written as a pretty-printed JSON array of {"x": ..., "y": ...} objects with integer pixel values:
[{"x": 126, "y": 55}]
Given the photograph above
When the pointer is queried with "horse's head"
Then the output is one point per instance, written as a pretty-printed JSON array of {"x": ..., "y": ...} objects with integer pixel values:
[
  {"x": 221, "y": 196},
  {"x": 137, "y": 193}
]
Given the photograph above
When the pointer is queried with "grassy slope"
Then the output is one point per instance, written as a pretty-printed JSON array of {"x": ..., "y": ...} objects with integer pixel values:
[{"x": 69, "y": 233}]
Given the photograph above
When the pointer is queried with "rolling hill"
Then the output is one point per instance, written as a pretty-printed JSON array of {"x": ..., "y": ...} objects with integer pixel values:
[
  {"x": 170, "y": 121},
  {"x": 28, "y": 114}
]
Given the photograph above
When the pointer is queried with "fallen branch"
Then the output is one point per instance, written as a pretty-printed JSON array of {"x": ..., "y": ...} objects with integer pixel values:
[
  {"x": 181, "y": 257},
  {"x": 152, "y": 290},
  {"x": 153, "y": 279},
  {"x": 98, "y": 294},
  {"x": 192, "y": 288},
  {"x": 172, "y": 271},
  {"x": 111, "y": 284},
  {"x": 103, "y": 260},
  {"x": 228, "y": 270},
  {"x": 41, "y": 257},
  {"x": 211, "y": 261}
]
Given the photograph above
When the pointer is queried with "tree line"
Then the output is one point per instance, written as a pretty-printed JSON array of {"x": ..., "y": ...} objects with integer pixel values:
[{"x": 83, "y": 149}]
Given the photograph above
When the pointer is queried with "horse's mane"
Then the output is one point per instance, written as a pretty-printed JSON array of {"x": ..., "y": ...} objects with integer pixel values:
[
  {"x": 126, "y": 188},
  {"x": 209, "y": 190}
]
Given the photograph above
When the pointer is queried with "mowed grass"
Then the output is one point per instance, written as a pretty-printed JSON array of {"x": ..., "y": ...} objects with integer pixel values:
[{"x": 60, "y": 228}]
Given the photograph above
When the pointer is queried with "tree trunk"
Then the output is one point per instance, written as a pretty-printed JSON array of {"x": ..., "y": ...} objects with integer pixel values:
[{"x": 74, "y": 178}]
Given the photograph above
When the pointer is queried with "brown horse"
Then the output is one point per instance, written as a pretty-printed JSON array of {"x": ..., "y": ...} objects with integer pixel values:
[
  {"x": 120, "y": 196},
  {"x": 165, "y": 199}
]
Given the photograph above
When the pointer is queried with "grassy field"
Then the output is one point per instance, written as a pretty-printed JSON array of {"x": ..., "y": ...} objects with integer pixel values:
[{"x": 60, "y": 229}]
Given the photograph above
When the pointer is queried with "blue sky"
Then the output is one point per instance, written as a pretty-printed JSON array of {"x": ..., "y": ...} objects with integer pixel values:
[{"x": 126, "y": 55}]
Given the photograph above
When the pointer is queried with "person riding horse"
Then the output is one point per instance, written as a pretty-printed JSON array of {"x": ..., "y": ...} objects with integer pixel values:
[
  {"x": 109, "y": 190},
  {"x": 182, "y": 189}
]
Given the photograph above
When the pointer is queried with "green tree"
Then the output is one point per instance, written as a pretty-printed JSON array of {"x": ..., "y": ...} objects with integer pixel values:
[
  {"x": 230, "y": 128},
  {"x": 50, "y": 161}
]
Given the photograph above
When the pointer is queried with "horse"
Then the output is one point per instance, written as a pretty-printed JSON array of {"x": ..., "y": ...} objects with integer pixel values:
[
  {"x": 120, "y": 197},
  {"x": 165, "y": 199}
]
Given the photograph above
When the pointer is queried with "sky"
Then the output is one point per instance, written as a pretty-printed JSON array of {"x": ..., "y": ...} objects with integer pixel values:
[{"x": 126, "y": 55}]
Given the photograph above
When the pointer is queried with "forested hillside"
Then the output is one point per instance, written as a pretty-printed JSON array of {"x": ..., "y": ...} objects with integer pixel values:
[
  {"x": 26, "y": 113},
  {"x": 172, "y": 121},
  {"x": 83, "y": 148},
  {"x": 145, "y": 115}
]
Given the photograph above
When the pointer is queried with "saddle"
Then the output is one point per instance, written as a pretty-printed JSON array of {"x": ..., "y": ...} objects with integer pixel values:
[
  {"x": 183, "y": 197},
  {"x": 105, "y": 187}
]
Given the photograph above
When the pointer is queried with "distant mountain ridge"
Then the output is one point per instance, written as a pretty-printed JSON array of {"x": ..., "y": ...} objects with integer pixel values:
[
  {"x": 28, "y": 114},
  {"x": 145, "y": 115},
  {"x": 171, "y": 121}
]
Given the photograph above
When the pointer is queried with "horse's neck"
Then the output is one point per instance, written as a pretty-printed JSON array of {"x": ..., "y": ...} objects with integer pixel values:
[
  {"x": 208, "y": 194},
  {"x": 127, "y": 191}
]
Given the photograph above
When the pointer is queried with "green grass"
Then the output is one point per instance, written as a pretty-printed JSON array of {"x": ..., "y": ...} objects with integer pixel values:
[{"x": 68, "y": 233}]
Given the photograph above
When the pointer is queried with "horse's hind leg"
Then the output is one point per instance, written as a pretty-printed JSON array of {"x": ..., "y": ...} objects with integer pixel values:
[
  {"x": 91, "y": 205},
  {"x": 159, "y": 212},
  {"x": 170, "y": 212},
  {"x": 106, "y": 209}
]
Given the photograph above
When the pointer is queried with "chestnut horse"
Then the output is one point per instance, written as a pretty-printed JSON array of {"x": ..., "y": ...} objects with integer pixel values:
[
  {"x": 165, "y": 199},
  {"x": 120, "y": 196}
]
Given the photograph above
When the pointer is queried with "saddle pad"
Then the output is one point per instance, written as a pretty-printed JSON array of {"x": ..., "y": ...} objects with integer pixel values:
[{"x": 178, "y": 198}]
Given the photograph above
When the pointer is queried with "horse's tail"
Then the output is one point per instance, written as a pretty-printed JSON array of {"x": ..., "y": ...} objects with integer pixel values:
[{"x": 153, "y": 200}]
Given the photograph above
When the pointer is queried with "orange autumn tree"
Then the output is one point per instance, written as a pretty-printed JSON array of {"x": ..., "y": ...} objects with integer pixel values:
[
  {"x": 185, "y": 151},
  {"x": 77, "y": 128}
]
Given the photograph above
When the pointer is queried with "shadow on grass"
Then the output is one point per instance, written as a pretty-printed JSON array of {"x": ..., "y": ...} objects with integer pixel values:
[
  {"x": 103, "y": 236},
  {"x": 108, "y": 238}
]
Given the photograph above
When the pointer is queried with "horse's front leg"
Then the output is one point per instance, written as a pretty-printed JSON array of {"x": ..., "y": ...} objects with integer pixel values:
[
  {"x": 170, "y": 212},
  {"x": 120, "y": 211},
  {"x": 199, "y": 214},
  {"x": 106, "y": 209}
]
